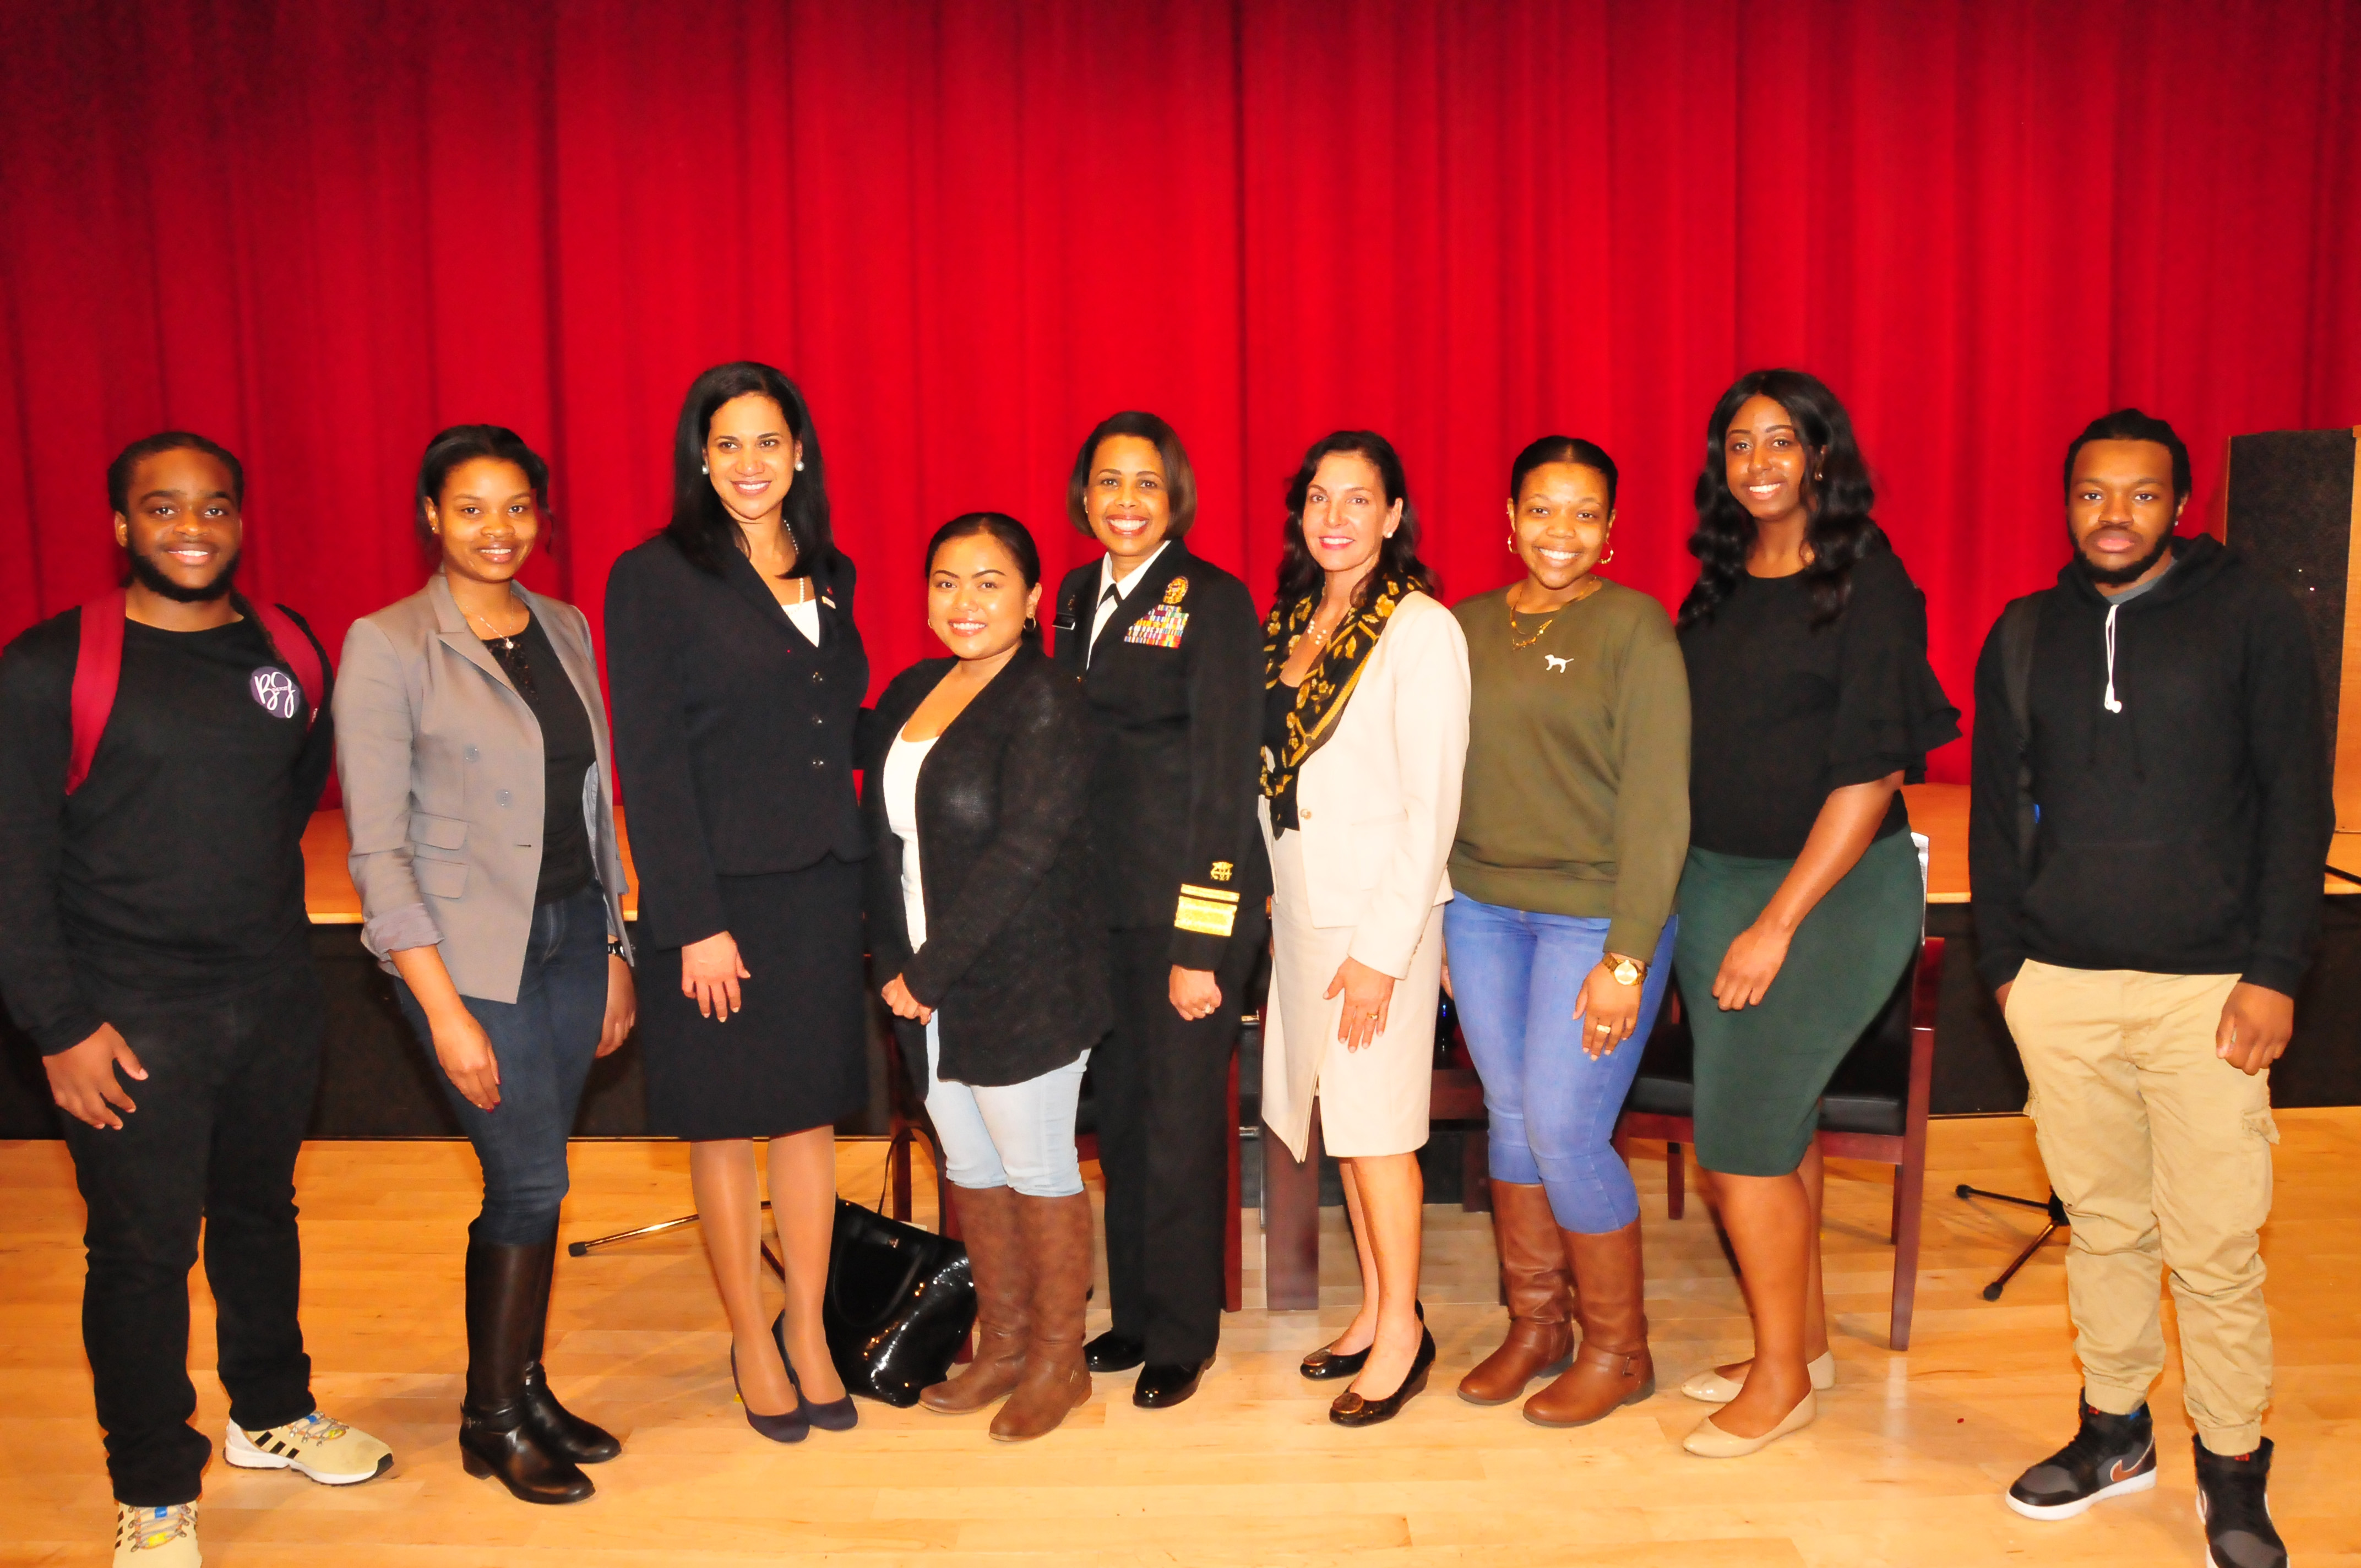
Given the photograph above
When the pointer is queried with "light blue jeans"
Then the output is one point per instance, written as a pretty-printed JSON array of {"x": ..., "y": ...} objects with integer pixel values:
[
  {"x": 1515, "y": 976},
  {"x": 1020, "y": 1135}
]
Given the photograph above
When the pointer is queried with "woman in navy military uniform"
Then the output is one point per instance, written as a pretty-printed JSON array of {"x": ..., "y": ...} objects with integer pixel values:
[{"x": 1170, "y": 654}]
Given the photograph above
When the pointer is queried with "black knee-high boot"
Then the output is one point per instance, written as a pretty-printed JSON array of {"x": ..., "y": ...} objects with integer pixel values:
[
  {"x": 507, "y": 1294},
  {"x": 560, "y": 1429}
]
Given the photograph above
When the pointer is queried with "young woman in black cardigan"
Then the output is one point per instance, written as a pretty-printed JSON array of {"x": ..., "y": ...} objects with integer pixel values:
[{"x": 985, "y": 933}]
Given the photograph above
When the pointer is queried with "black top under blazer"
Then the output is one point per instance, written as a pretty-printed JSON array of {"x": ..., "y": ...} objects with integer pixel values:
[
  {"x": 1176, "y": 705},
  {"x": 1015, "y": 952},
  {"x": 733, "y": 735}
]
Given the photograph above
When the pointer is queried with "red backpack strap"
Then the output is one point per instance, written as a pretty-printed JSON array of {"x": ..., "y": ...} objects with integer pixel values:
[
  {"x": 294, "y": 649},
  {"x": 98, "y": 669}
]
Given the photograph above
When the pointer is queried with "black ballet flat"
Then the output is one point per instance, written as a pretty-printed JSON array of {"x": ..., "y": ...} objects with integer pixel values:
[
  {"x": 838, "y": 1414},
  {"x": 1352, "y": 1410},
  {"x": 792, "y": 1426},
  {"x": 1325, "y": 1366}
]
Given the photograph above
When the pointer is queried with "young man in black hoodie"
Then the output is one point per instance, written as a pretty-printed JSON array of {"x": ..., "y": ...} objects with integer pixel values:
[
  {"x": 2154, "y": 722},
  {"x": 153, "y": 943}
]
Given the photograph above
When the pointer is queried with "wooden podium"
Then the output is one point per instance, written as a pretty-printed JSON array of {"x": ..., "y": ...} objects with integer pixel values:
[{"x": 2291, "y": 500}]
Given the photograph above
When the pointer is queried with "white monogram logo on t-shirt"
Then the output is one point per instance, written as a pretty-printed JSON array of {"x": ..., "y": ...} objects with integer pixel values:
[{"x": 276, "y": 690}]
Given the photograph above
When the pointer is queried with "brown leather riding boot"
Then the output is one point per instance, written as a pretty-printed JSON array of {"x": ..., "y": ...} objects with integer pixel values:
[
  {"x": 1056, "y": 1236},
  {"x": 1612, "y": 1368},
  {"x": 1004, "y": 1286},
  {"x": 1533, "y": 1276}
]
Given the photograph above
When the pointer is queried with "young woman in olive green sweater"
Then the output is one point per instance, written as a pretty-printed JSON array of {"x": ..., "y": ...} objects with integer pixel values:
[{"x": 1574, "y": 819}]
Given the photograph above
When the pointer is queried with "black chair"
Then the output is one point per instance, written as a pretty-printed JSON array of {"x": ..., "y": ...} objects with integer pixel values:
[{"x": 1875, "y": 1108}]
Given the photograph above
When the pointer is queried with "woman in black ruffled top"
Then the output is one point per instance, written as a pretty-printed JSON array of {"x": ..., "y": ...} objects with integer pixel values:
[{"x": 1811, "y": 703}]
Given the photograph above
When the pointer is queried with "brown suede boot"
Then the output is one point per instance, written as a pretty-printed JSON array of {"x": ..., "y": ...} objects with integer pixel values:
[
  {"x": 997, "y": 1260},
  {"x": 1534, "y": 1278},
  {"x": 1612, "y": 1368},
  {"x": 1056, "y": 1236}
]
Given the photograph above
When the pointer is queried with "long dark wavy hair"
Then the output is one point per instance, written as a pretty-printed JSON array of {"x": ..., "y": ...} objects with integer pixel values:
[
  {"x": 1300, "y": 574},
  {"x": 1840, "y": 531},
  {"x": 700, "y": 525}
]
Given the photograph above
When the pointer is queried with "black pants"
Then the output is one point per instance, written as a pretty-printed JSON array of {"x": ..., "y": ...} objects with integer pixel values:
[
  {"x": 212, "y": 1146},
  {"x": 1160, "y": 1086}
]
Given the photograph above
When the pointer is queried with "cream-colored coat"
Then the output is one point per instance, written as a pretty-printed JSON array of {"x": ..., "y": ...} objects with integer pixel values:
[{"x": 1365, "y": 878}]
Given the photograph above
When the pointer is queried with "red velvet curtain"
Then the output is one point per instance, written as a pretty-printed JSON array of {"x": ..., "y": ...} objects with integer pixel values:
[{"x": 319, "y": 231}]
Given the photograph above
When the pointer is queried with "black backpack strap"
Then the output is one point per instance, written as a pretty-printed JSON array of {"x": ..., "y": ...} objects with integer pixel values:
[{"x": 2020, "y": 625}]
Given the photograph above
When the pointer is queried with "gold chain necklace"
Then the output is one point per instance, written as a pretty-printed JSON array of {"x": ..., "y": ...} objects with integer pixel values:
[{"x": 1588, "y": 588}]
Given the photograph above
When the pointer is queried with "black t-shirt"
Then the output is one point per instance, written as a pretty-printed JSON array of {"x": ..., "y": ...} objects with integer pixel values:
[
  {"x": 176, "y": 871},
  {"x": 1782, "y": 712},
  {"x": 568, "y": 752}
]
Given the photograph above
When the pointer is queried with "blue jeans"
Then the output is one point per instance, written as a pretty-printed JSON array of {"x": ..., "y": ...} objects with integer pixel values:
[
  {"x": 1020, "y": 1135},
  {"x": 1515, "y": 977},
  {"x": 544, "y": 1042}
]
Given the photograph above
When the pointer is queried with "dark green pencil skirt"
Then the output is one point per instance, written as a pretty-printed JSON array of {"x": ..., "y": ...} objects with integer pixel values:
[{"x": 1761, "y": 1070}]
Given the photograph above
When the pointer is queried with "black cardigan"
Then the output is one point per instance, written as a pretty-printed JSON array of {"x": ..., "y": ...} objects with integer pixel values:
[
  {"x": 1016, "y": 950},
  {"x": 1175, "y": 684},
  {"x": 733, "y": 735}
]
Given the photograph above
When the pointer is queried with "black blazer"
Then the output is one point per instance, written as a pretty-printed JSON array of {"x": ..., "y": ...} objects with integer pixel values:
[
  {"x": 733, "y": 735},
  {"x": 1175, "y": 684},
  {"x": 1016, "y": 952}
]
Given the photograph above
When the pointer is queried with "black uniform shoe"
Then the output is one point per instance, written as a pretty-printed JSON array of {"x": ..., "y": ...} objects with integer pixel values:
[
  {"x": 1112, "y": 1353},
  {"x": 2238, "y": 1517},
  {"x": 2110, "y": 1456},
  {"x": 1166, "y": 1384}
]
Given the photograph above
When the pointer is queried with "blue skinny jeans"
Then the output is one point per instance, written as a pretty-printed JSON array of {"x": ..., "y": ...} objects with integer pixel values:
[
  {"x": 544, "y": 1042},
  {"x": 1515, "y": 976}
]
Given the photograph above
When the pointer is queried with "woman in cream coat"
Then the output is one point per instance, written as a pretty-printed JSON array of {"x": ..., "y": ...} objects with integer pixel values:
[{"x": 1365, "y": 736}]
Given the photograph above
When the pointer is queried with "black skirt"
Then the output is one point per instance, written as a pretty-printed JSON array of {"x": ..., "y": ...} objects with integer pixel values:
[{"x": 797, "y": 1055}]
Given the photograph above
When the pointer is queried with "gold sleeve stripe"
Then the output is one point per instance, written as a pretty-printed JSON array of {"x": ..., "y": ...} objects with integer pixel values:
[
  {"x": 1218, "y": 894},
  {"x": 1205, "y": 917}
]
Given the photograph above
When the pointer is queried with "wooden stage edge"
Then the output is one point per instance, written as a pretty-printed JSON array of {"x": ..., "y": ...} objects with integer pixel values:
[
  {"x": 1905, "y": 1467},
  {"x": 1938, "y": 810}
]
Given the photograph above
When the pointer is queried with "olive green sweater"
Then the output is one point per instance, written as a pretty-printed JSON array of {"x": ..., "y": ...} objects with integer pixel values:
[{"x": 1577, "y": 800}]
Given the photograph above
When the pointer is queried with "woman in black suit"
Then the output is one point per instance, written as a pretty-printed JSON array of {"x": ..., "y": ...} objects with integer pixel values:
[
  {"x": 986, "y": 937},
  {"x": 1168, "y": 650},
  {"x": 737, "y": 675}
]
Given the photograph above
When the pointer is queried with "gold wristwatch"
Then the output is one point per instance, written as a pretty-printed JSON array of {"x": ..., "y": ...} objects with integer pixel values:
[{"x": 1626, "y": 970}]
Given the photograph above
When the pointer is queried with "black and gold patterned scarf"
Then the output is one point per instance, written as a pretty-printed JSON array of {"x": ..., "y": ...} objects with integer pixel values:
[{"x": 1320, "y": 701}]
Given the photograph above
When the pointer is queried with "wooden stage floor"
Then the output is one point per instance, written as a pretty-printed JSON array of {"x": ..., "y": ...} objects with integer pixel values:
[{"x": 1904, "y": 1467}]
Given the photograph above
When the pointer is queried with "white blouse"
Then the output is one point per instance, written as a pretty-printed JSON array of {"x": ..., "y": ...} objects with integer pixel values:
[{"x": 903, "y": 760}]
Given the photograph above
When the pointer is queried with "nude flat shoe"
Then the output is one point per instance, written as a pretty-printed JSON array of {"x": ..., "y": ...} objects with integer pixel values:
[
  {"x": 1710, "y": 1442},
  {"x": 1713, "y": 1388}
]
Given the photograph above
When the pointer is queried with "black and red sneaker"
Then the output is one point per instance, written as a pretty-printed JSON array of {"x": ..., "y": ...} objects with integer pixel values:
[
  {"x": 2236, "y": 1514},
  {"x": 2110, "y": 1456}
]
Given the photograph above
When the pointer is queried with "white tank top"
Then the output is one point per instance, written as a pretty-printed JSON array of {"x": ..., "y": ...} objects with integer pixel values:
[{"x": 903, "y": 761}]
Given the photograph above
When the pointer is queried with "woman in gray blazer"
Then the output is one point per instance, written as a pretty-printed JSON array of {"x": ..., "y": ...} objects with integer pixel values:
[{"x": 471, "y": 742}]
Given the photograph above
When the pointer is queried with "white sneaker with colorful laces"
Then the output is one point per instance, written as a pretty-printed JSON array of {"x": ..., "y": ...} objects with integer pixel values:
[
  {"x": 327, "y": 1451},
  {"x": 155, "y": 1538}
]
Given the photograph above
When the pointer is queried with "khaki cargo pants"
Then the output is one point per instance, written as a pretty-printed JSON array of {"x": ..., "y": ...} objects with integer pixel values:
[{"x": 2161, "y": 1152}]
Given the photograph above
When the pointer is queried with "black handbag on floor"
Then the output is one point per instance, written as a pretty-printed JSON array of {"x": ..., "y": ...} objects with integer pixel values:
[{"x": 900, "y": 1303}]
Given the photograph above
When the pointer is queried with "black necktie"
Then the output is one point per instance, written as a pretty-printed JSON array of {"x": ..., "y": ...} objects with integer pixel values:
[{"x": 1106, "y": 598}]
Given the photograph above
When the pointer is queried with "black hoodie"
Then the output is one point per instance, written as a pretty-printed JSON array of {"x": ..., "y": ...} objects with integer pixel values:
[{"x": 2182, "y": 830}]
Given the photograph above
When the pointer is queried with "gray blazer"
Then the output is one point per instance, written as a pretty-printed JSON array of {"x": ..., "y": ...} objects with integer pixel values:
[{"x": 440, "y": 760}]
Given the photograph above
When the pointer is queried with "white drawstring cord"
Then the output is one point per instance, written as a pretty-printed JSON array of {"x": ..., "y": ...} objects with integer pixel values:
[{"x": 2112, "y": 703}]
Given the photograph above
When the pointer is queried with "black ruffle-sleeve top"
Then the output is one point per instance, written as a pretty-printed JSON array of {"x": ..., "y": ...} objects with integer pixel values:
[{"x": 1783, "y": 712}]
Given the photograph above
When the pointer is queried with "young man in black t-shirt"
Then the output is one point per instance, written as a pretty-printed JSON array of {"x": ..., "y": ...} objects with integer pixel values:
[
  {"x": 2153, "y": 725},
  {"x": 153, "y": 943}
]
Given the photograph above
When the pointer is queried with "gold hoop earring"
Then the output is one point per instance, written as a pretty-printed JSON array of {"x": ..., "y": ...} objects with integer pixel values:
[
  {"x": 1609, "y": 556},
  {"x": 1512, "y": 544}
]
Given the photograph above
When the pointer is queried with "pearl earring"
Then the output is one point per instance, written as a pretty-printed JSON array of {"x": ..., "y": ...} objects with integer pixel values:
[
  {"x": 705, "y": 469},
  {"x": 799, "y": 465}
]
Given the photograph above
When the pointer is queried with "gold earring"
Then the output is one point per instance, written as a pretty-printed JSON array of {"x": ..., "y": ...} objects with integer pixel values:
[{"x": 1609, "y": 556}]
